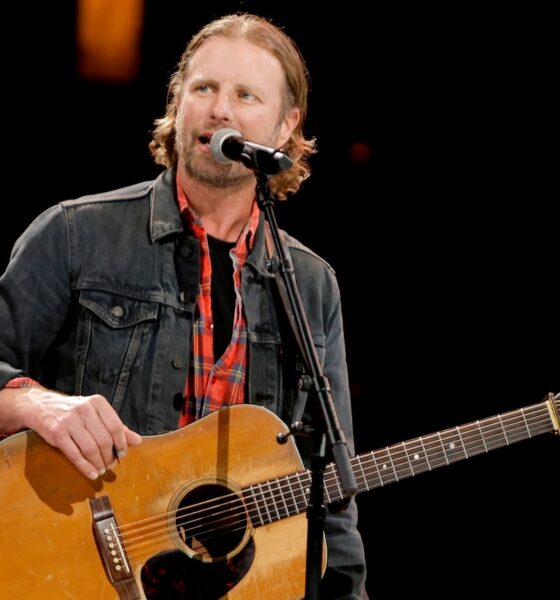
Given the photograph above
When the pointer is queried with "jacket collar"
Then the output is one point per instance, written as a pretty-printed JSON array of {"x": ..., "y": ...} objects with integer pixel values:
[
  {"x": 165, "y": 218},
  {"x": 258, "y": 257}
]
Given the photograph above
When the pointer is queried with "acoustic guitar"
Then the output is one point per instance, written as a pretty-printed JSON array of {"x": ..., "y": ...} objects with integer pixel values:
[{"x": 213, "y": 510}]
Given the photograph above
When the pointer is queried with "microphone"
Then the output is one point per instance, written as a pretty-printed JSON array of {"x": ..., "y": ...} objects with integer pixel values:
[{"x": 228, "y": 145}]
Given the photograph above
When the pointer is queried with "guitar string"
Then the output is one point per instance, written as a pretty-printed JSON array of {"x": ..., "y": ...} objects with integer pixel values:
[
  {"x": 147, "y": 531},
  {"x": 198, "y": 545},
  {"x": 213, "y": 506}
]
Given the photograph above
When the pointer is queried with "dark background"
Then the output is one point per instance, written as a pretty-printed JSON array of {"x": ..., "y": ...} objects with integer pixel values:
[{"x": 445, "y": 243}]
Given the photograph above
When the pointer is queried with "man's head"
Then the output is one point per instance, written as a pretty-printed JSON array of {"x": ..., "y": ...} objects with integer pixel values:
[{"x": 239, "y": 71}]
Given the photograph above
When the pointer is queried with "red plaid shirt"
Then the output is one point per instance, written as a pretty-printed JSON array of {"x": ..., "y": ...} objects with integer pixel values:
[
  {"x": 19, "y": 382},
  {"x": 211, "y": 385}
]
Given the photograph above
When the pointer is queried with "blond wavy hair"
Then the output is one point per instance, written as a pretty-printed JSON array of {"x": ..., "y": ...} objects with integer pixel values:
[{"x": 264, "y": 34}]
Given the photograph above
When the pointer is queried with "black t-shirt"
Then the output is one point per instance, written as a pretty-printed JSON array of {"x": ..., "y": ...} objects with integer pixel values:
[{"x": 223, "y": 293}]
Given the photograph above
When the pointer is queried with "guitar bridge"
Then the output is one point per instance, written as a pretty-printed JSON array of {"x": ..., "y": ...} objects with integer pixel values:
[{"x": 111, "y": 549}]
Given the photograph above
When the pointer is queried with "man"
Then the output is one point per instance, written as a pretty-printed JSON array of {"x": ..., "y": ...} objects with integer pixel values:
[{"x": 147, "y": 308}]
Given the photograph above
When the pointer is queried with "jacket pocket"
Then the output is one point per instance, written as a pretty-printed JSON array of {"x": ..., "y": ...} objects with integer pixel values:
[{"x": 110, "y": 345}]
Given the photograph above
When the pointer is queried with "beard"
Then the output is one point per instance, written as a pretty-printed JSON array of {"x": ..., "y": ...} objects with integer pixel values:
[
  {"x": 209, "y": 171},
  {"x": 204, "y": 168}
]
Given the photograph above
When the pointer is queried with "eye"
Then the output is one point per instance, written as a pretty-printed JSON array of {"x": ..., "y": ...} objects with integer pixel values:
[
  {"x": 204, "y": 88},
  {"x": 245, "y": 95}
]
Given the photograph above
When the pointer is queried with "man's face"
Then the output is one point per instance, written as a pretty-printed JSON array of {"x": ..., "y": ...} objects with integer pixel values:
[{"x": 230, "y": 83}]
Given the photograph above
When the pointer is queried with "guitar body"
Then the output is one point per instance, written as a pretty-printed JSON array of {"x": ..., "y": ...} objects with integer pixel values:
[
  {"x": 48, "y": 545},
  {"x": 213, "y": 510}
]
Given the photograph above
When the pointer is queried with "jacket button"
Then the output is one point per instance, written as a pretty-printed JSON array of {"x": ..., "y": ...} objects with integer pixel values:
[
  {"x": 117, "y": 311},
  {"x": 186, "y": 251},
  {"x": 178, "y": 362},
  {"x": 182, "y": 296}
]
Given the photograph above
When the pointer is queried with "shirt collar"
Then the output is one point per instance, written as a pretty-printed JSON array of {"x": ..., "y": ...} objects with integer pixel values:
[{"x": 246, "y": 238}]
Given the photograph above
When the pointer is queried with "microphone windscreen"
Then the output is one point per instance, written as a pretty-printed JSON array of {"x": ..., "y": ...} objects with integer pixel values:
[{"x": 217, "y": 140}]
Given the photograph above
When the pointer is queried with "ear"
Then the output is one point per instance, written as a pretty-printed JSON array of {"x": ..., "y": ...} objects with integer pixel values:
[{"x": 288, "y": 124}]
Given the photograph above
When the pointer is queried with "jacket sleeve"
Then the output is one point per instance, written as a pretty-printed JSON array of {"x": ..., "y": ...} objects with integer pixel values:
[
  {"x": 34, "y": 295},
  {"x": 346, "y": 567},
  {"x": 345, "y": 575}
]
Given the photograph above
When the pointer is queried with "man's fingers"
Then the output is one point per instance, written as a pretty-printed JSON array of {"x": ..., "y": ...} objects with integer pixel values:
[
  {"x": 133, "y": 438},
  {"x": 115, "y": 430},
  {"x": 77, "y": 457},
  {"x": 101, "y": 440}
]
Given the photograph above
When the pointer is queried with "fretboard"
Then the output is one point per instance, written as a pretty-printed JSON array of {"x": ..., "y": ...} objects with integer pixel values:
[{"x": 286, "y": 496}]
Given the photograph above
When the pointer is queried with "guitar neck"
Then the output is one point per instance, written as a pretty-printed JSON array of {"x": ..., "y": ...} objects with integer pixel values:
[
  {"x": 286, "y": 496},
  {"x": 415, "y": 456}
]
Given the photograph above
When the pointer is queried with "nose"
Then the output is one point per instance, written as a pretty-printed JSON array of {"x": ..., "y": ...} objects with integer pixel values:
[{"x": 221, "y": 108}]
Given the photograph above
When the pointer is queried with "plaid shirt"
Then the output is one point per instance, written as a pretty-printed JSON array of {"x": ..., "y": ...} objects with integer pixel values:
[
  {"x": 19, "y": 382},
  {"x": 213, "y": 384}
]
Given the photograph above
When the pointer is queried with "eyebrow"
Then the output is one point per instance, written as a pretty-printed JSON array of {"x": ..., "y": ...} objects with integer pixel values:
[{"x": 254, "y": 88}]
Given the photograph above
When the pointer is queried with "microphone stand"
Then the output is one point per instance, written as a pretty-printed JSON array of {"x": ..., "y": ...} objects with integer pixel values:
[{"x": 319, "y": 384}]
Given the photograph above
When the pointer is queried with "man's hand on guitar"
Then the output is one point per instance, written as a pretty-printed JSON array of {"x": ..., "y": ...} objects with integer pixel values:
[{"x": 85, "y": 428}]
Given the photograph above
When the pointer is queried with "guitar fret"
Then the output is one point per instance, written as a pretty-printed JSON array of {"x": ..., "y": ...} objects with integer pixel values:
[
  {"x": 461, "y": 442},
  {"x": 332, "y": 485},
  {"x": 531, "y": 423},
  {"x": 494, "y": 433},
  {"x": 365, "y": 487},
  {"x": 340, "y": 493},
  {"x": 410, "y": 469},
  {"x": 398, "y": 462},
  {"x": 503, "y": 429},
  {"x": 294, "y": 509},
  {"x": 264, "y": 505},
  {"x": 254, "y": 511},
  {"x": 416, "y": 455},
  {"x": 372, "y": 478},
  {"x": 326, "y": 479},
  {"x": 383, "y": 466},
  {"x": 526, "y": 424},
  {"x": 272, "y": 501},
  {"x": 435, "y": 451},
  {"x": 496, "y": 437},
  {"x": 304, "y": 490},
  {"x": 301, "y": 502},
  {"x": 392, "y": 463},
  {"x": 473, "y": 441},
  {"x": 482, "y": 436},
  {"x": 425, "y": 454},
  {"x": 378, "y": 471},
  {"x": 443, "y": 447},
  {"x": 453, "y": 445},
  {"x": 283, "y": 510}
]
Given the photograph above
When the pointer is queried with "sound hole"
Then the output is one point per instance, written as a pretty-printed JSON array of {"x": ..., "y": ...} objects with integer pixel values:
[{"x": 211, "y": 521}]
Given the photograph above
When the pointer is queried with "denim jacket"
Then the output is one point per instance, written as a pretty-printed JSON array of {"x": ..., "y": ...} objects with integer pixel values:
[{"x": 99, "y": 295}]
